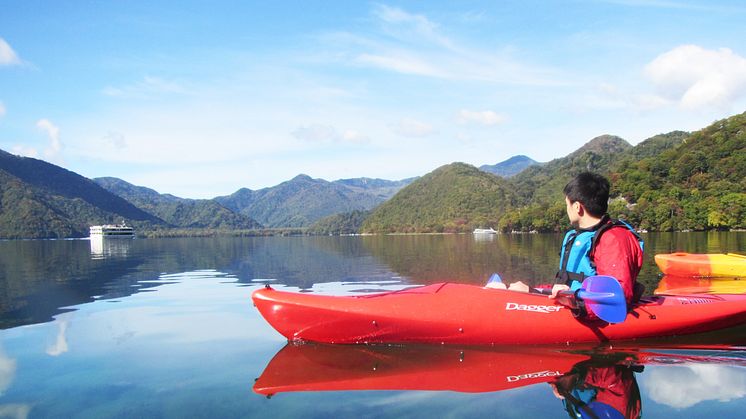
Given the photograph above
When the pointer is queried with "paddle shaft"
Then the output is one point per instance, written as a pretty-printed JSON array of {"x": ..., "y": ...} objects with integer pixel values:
[{"x": 567, "y": 299}]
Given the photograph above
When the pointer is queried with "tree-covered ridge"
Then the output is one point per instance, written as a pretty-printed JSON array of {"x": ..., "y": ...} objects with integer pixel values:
[
  {"x": 338, "y": 224},
  {"x": 543, "y": 184},
  {"x": 41, "y": 200},
  {"x": 70, "y": 185},
  {"x": 697, "y": 184},
  {"x": 179, "y": 212},
  {"x": 452, "y": 198},
  {"x": 675, "y": 181}
]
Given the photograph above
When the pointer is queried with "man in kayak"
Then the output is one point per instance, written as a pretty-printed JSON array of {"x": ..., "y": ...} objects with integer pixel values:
[{"x": 597, "y": 245}]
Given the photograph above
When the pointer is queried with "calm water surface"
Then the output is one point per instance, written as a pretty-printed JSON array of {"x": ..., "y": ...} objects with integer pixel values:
[{"x": 165, "y": 328}]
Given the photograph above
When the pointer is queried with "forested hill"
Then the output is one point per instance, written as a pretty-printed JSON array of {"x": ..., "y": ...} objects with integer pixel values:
[
  {"x": 539, "y": 189},
  {"x": 179, "y": 212},
  {"x": 452, "y": 198},
  {"x": 41, "y": 200},
  {"x": 697, "y": 184},
  {"x": 543, "y": 184}
]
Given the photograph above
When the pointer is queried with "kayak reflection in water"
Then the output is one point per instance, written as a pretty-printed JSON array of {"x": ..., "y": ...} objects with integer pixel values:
[{"x": 600, "y": 388}]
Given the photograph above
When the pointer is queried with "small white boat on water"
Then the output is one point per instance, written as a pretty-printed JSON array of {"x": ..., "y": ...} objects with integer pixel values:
[
  {"x": 485, "y": 231},
  {"x": 120, "y": 231}
]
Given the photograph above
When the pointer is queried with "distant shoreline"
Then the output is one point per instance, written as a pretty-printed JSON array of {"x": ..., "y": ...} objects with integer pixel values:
[{"x": 303, "y": 232}]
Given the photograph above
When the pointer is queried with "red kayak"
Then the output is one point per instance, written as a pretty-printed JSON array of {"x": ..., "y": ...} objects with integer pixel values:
[
  {"x": 309, "y": 367},
  {"x": 318, "y": 367},
  {"x": 451, "y": 313}
]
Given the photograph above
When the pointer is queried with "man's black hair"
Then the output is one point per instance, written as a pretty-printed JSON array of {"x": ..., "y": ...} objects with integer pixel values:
[{"x": 591, "y": 190}]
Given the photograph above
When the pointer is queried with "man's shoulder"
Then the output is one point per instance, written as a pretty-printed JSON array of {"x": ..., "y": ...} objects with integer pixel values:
[{"x": 618, "y": 235}]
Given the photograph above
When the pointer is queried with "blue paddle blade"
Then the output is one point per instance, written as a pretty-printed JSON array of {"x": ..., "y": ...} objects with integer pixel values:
[
  {"x": 604, "y": 296},
  {"x": 494, "y": 278},
  {"x": 599, "y": 410}
]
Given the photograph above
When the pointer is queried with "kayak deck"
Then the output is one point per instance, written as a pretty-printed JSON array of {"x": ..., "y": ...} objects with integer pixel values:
[
  {"x": 450, "y": 313},
  {"x": 702, "y": 265}
]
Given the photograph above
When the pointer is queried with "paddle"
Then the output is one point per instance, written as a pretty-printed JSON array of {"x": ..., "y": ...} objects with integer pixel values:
[{"x": 603, "y": 296}]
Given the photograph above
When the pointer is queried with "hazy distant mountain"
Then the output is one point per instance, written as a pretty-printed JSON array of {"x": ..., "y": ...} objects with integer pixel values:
[
  {"x": 509, "y": 167},
  {"x": 381, "y": 188},
  {"x": 179, "y": 212},
  {"x": 302, "y": 200},
  {"x": 41, "y": 200}
]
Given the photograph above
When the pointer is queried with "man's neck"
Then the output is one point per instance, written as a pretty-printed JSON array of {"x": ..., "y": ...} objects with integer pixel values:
[{"x": 588, "y": 221}]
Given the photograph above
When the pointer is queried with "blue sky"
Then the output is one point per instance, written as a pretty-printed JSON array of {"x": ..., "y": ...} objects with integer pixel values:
[{"x": 199, "y": 99}]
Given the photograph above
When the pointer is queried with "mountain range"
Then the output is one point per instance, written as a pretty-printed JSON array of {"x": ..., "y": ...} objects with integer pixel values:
[
  {"x": 697, "y": 179},
  {"x": 302, "y": 200}
]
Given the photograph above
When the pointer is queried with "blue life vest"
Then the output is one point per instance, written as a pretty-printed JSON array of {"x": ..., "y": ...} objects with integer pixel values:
[{"x": 578, "y": 246}]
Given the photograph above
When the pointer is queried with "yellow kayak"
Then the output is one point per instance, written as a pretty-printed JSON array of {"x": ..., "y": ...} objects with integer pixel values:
[
  {"x": 702, "y": 265},
  {"x": 687, "y": 285}
]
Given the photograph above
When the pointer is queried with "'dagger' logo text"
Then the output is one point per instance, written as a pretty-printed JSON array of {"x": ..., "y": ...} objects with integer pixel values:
[
  {"x": 534, "y": 308},
  {"x": 540, "y": 374}
]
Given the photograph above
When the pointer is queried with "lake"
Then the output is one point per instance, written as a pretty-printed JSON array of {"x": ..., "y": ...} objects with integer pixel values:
[{"x": 166, "y": 328}]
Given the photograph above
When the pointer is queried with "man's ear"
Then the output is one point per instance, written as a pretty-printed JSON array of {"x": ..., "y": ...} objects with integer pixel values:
[{"x": 579, "y": 208}]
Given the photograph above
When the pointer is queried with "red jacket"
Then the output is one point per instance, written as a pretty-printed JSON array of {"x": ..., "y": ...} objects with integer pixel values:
[{"x": 618, "y": 254}]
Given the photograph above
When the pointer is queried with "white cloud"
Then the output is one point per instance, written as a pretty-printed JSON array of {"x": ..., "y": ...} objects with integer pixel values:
[
  {"x": 2, "y": 110},
  {"x": 115, "y": 139},
  {"x": 7, "y": 55},
  {"x": 353, "y": 136},
  {"x": 59, "y": 346},
  {"x": 396, "y": 15},
  {"x": 402, "y": 23},
  {"x": 452, "y": 64},
  {"x": 401, "y": 63},
  {"x": 412, "y": 44},
  {"x": 607, "y": 96},
  {"x": 488, "y": 118},
  {"x": 15, "y": 410},
  {"x": 317, "y": 133},
  {"x": 684, "y": 386},
  {"x": 7, "y": 371},
  {"x": 21, "y": 150},
  {"x": 148, "y": 87},
  {"x": 663, "y": 4},
  {"x": 412, "y": 128},
  {"x": 53, "y": 132},
  {"x": 695, "y": 77}
]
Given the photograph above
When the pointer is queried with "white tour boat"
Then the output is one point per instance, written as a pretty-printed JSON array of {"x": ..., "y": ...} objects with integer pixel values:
[{"x": 121, "y": 231}]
